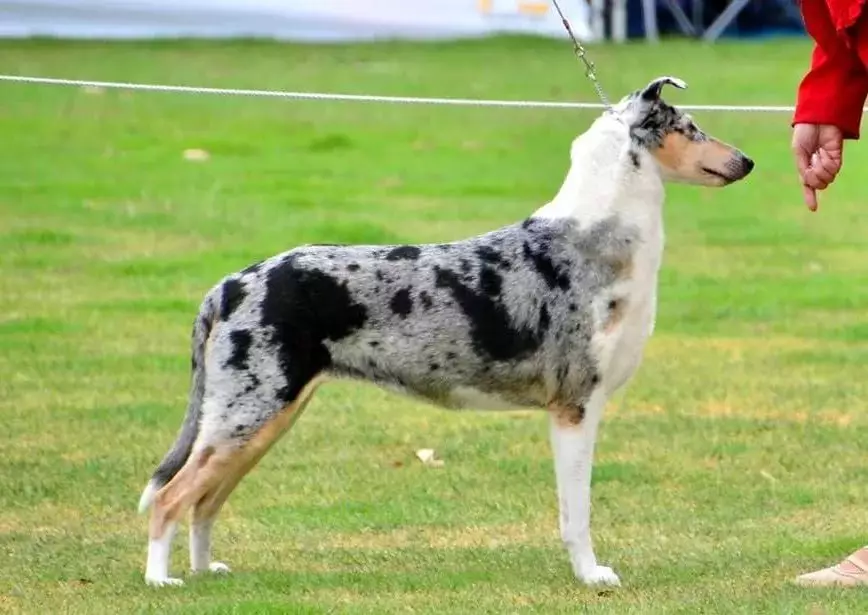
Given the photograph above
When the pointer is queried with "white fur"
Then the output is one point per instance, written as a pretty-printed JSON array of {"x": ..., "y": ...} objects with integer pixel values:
[
  {"x": 200, "y": 548},
  {"x": 601, "y": 182},
  {"x": 147, "y": 497},
  {"x": 573, "y": 448},
  {"x": 159, "y": 550}
]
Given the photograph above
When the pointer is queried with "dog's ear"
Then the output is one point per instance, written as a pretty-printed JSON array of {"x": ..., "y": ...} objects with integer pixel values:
[
  {"x": 652, "y": 90},
  {"x": 641, "y": 105}
]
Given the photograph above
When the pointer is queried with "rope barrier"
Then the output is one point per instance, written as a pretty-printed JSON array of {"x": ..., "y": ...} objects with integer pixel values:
[{"x": 413, "y": 100}]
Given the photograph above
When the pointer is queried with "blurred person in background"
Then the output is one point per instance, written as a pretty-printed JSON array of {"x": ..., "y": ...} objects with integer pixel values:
[{"x": 828, "y": 113}]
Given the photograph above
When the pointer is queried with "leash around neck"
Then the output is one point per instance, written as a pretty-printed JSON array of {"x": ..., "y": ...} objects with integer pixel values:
[{"x": 581, "y": 53}]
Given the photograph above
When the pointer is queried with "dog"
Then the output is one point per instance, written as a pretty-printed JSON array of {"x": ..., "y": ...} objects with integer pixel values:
[{"x": 552, "y": 312}]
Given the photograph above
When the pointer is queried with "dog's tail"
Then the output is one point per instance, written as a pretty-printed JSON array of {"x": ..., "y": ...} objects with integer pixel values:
[{"x": 180, "y": 451}]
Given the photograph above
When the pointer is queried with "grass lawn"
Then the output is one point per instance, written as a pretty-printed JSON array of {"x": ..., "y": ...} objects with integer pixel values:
[{"x": 733, "y": 461}]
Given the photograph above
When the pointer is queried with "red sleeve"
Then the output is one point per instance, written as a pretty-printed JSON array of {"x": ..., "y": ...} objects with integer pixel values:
[{"x": 835, "y": 87}]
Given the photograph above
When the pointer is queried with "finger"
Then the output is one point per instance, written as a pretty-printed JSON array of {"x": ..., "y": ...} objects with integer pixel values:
[
  {"x": 812, "y": 180},
  {"x": 830, "y": 164},
  {"x": 827, "y": 158},
  {"x": 823, "y": 174},
  {"x": 810, "y": 197}
]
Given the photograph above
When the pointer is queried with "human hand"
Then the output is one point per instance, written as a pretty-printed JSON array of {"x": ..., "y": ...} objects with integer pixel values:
[{"x": 818, "y": 150}]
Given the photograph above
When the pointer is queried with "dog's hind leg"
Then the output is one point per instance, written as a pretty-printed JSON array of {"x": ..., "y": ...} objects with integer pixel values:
[
  {"x": 231, "y": 469},
  {"x": 169, "y": 504},
  {"x": 573, "y": 431},
  {"x": 217, "y": 464}
]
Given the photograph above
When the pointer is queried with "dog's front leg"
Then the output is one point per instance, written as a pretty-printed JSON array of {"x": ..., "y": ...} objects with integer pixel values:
[{"x": 573, "y": 434}]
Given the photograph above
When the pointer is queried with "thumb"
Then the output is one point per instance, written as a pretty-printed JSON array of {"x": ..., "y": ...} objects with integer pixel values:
[{"x": 810, "y": 196}]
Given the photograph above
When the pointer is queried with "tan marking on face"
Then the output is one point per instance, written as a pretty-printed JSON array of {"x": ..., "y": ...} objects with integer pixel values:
[
  {"x": 210, "y": 475},
  {"x": 682, "y": 159},
  {"x": 566, "y": 415}
]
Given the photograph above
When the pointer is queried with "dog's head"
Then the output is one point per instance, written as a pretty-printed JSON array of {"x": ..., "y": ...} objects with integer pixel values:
[{"x": 683, "y": 152}]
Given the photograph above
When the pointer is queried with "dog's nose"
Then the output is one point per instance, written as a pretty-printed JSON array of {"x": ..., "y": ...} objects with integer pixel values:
[{"x": 747, "y": 163}]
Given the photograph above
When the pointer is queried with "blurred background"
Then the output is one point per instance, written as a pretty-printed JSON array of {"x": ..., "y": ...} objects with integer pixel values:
[
  {"x": 330, "y": 20},
  {"x": 734, "y": 460}
]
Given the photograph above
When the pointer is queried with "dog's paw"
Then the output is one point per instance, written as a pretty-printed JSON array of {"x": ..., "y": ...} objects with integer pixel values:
[
  {"x": 219, "y": 568},
  {"x": 163, "y": 582},
  {"x": 600, "y": 575}
]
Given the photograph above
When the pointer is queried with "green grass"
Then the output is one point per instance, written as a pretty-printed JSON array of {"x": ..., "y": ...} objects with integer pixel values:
[{"x": 734, "y": 460}]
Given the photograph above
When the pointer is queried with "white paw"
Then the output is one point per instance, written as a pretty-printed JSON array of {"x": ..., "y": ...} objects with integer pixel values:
[
  {"x": 600, "y": 575},
  {"x": 163, "y": 582},
  {"x": 219, "y": 568}
]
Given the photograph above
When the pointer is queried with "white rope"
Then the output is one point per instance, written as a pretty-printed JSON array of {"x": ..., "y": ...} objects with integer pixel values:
[{"x": 467, "y": 102}]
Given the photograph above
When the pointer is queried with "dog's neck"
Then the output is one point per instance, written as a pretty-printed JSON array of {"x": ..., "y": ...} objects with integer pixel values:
[{"x": 608, "y": 176}]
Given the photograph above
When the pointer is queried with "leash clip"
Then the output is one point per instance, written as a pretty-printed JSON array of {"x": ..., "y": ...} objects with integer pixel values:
[{"x": 581, "y": 54}]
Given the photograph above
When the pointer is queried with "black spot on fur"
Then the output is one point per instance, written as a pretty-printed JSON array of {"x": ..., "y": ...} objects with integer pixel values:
[
  {"x": 406, "y": 253},
  {"x": 373, "y": 343},
  {"x": 546, "y": 268},
  {"x": 528, "y": 222},
  {"x": 445, "y": 247},
  {"x": 303, "y": 308},
  {"x": 353, "y": 267},
  {"x": 241, "y": 340},
  {"x": 573, "y": 307},
  {"x": 425, "y": 298},
  {"x": 492, "y": 256},
  {"x": 232, "y": 296},
  {"x": 402, "y": 302},
  {"x": 239, "y": 429},
  {"x": 613, "y": 303},
  {"x": 488, "y": 254},
  {"x": 433, "y": 366},
  {"x": 490, "y": 282},
  {"x": 492, "y": 332},
  {"x": 544, "y": 319},
  {"x": 465, "y": 266},
  {"x": 595, "y": 379},
  {"x": 451, "y": 355},
  {"x": 379, "y": 275},
  {"x": 634, "y": 158}
]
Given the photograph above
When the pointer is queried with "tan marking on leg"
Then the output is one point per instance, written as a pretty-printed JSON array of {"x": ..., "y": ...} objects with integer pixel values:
[
  {"x": 208, "y": 469},
  {"x": 567, "y": 415},
  {"x": 241, "y": 460},
  {"x": 170, "y": 501}
]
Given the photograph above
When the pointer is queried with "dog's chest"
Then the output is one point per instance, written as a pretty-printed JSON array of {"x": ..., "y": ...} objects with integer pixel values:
[{"x": 620, "y": 345}]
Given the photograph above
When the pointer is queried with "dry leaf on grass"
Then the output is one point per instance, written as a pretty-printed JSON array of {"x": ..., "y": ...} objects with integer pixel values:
[
  {"x": 196, "y": 155},
  {"x": 426, "y": 456}
]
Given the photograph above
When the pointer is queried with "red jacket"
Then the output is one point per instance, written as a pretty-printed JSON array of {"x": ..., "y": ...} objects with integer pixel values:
[{"x": 835, "y": 87}]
